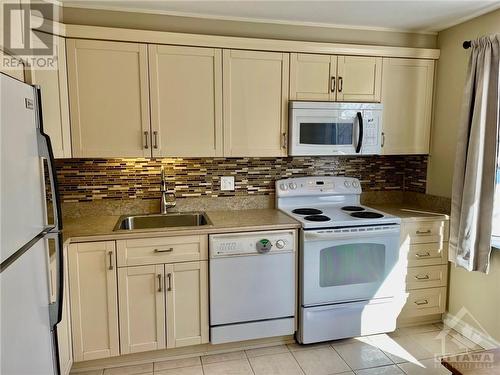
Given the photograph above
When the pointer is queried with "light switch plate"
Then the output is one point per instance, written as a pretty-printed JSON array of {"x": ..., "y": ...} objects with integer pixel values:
[{"x": 227, "y": 183}]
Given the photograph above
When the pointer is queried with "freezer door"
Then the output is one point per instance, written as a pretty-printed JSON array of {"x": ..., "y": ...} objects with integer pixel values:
[
  {"x": 26, "y": 338},
  {"x": 22, "y": 194}
]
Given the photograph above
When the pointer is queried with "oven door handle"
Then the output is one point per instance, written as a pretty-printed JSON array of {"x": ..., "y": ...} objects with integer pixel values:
[
  {"x": 324, "y": 236},
  {"x": 360, "y": 133}
]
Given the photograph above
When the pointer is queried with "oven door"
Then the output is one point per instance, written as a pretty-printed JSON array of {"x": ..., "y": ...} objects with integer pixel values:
[
  {"x": 350, "y": 264},
  {"x": 324, "y": 132}
]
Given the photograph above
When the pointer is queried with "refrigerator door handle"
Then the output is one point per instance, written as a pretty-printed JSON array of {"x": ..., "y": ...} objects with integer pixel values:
[
  {"x": 55, "y": 308},
  {"x": 45, "y": 151}
]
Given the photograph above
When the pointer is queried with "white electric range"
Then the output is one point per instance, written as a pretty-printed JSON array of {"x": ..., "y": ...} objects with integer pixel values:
[{"x": 351, "y": 273}]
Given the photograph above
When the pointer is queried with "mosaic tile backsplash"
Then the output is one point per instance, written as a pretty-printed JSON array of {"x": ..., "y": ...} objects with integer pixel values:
[{"x": 83, "y": 180}]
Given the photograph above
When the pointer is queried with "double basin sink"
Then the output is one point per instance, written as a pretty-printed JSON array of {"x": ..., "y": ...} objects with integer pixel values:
[{"x": 159, "y": 221}]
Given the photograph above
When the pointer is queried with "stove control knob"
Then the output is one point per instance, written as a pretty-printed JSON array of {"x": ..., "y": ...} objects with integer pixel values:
[
  {"x": 264, "y": 246},
  {"x": 283, "y": 187},
  {"x": 292, "y": 185},
  {"x": 280, "y": 244},
  {"x": 347, "y": 184},
  {"x": 355, "y": 184}
]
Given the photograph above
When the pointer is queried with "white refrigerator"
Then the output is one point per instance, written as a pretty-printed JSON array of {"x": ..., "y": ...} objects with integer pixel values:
[{"x": 29, "y": 308}]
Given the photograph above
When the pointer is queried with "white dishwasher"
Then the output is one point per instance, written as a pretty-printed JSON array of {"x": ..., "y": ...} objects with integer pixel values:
[{"x": 252, "y": 285}]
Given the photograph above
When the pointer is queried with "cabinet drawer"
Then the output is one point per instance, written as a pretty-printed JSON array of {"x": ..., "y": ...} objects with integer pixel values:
[
  {"x": 425, "y": 302},
  {"x": 426, "y": 277},
  {"x": 428, "y": 254},
  {"x": 425, "y": 231},
  {"x": 161, "y": 250}
]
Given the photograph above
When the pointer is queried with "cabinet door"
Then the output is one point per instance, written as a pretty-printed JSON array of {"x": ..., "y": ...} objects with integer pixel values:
[
  {"x": 186, "y": 101},
  {"x": 142, "y": 308},
  {"x": 54, "y": 86},
  {"x": 109, "y": 98},
  {"x": 407, "y": 97},
  {"x": 312, "y": 77},
  {"x": 187, "y": 303},
  {"x": 94, "y": 302},
  {"x": 359, "y": 78},
  {"x": 255, "y": 103}
]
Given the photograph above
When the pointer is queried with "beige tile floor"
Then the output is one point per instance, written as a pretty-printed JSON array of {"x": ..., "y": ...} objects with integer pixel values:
[{"x": 411, "y": 351}]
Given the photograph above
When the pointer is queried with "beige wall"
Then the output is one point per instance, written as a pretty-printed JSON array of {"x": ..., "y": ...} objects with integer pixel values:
[
  {"x": 478, "y": 293},
  {"x": 244, "y": 29}
]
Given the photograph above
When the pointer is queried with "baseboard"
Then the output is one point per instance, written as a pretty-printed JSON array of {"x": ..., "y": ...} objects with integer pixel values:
[
  {"x": 178, "y": 353},
  {"x": 404, "y": 322},
  {"x": 479, "y": 337}
]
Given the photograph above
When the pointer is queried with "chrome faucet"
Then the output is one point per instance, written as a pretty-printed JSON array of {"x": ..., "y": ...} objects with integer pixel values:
[{"x": 165, "y": 203}]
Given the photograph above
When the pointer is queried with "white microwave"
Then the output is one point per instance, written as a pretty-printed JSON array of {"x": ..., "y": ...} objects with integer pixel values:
[{"x": 331, "y": 128}]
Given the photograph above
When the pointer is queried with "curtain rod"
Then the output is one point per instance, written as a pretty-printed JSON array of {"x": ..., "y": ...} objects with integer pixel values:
[{"x": 466, "y": 44}]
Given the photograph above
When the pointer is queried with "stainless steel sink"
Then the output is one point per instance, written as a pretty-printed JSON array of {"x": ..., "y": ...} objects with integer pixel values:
[{"x": 181, "y": 219}]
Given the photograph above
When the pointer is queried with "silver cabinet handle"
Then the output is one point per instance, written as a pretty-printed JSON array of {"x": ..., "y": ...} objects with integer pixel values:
[
  {"x": 159, "y": 283},
  {"x": 421, "y": 302},
  {"x": 420, "y": 277},
  {"x": 169, "y": 250},
  {"x": 110, "y": 254},
  {"x": 146, "y": 139},
  {"x": 340, "y": 84},
  {"x": 155, "y": 136},
  {"x": 333, "y": 80},
  {"x": 383, "y": 140},
  {"x": 284, "y": 142},
  {"x": 423, "y": 255},
  {"x": 169, "y": 282},
  {"x": 428, "y": 231}
]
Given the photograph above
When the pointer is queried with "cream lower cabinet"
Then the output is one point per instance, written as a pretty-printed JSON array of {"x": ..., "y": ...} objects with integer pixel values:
[
  {"x": 255, "y": 99},
  {"x": 424, "y": 244},
  {"x": 187, "y": 303},
  {"x": 335, "y": 78},
  {"x": 141, "y": 291},
  {"x": 94, "y": 300},
  {"x": 162, "y": 305},
  {"x": 64, "y": 339},
  {"x": 186, "y": 101},
  {"x": 407, "y": 86},
  {"x": 109, "y": 98}
]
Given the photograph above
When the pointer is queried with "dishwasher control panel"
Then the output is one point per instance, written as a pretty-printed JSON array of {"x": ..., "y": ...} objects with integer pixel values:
[{"x": 252, "y": 243}]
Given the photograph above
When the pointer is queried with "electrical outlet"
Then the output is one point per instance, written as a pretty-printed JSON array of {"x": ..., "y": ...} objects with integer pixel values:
[{"x": 227, "y": 183}]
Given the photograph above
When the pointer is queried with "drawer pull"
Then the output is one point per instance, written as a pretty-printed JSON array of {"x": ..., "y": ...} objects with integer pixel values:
[
  {"x": 159, "y": 283},
  {"x": 169, "y": 282},
  {"x": 428, "y": 231},
  {"x": 422, "y": 277},
  {"x": 169, "y": 250},
  {"x": 423, "y": 255},
  {"x": 421, "y": 302}
]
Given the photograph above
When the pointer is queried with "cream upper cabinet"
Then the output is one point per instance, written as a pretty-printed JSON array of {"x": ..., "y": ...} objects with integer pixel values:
[
  {"x": 6, "y": 62},
  {"x": 142, "y": 308},
  {"x": 186, "y": 101},
  {"x": 187, "y": 303},
  {"x": 255, "y": 89},
  {"x": 335, "y": 78},
  {"x": 312, "y": 77},
  {"x": 109, "y": 98},
  {"x": 359, "y": 78},
  {"x": 54, "y": 89},
  {"x": 93, "y": 298},
  {"x": 407, "y": 97}
]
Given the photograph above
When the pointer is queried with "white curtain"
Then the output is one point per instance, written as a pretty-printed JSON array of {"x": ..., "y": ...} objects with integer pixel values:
[{"x": 475, "y": 163}]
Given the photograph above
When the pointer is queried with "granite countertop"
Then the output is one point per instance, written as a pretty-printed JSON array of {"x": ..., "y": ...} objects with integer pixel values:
[
  {"x": 100, "y": 228},
  {"x": 409, "y": 212}
]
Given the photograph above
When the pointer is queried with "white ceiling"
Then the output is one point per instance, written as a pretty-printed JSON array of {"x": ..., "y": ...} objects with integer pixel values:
[{"x": 402, "y": 15}]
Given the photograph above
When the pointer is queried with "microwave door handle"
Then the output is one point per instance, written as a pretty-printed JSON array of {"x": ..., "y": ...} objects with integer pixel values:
[{"x": 360, "y": 136}]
